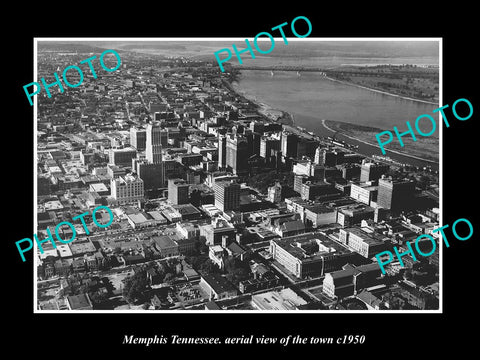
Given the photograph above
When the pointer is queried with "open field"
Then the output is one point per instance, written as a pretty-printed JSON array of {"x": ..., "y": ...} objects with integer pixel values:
[{"x": 409, "y": 81}]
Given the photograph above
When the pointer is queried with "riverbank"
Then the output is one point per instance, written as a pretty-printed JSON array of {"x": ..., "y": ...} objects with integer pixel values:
[
  {"x": 425, "y": 150},
  {"x": 264, "y": 109},
  {"x": 381, "y": 91}
]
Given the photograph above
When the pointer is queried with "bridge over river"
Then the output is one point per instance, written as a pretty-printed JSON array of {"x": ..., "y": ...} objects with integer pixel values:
[{"x": 345, "y": 72}]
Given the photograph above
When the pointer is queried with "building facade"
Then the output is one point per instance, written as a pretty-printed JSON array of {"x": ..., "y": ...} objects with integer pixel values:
[
  {"x": 371, "y": 171},
  {"x": 138, "y": 138},
  {"x": 361, "y": 242},
  {"x": 127, "y": 189},
  {"x": 154, "y": 143},
  {"x": 350, "y": 280},
  {"x": 151, "y": 174},
  {"x": 395, "y": 195},
  {"x": 122, "y": 157},
  {"x": 178, "y": 191},
  {"x": 237, "y": 153},
  {"x": 227, "y": 195},
  {"x": 364, "y": 193}
]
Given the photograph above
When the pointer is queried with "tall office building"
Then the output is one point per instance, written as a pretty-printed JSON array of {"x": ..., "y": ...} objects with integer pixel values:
[
  {"x": 177, "y": 191},
  {"x": 122, "y": 157},
  {"x": 237, "y": 153},
  {"x": 268, "y": 145},
  {"x": 227, "y": 195},
  {"x": 289, "y": 144},
  {"x": 306, "y": 147},
  {"x": 318, "y": 155},
  {"x": 395, "y": 195},
  {"x": 255, "y": 146},
  {"x": 151, "y": 170},
  {"x": 325, "y": 157},
  {"x": 154, "y": 144},
  {"x": 127, "y": 189},
  {"x": 222, "y": 151},
  {"x": 371, "y": 171},
  {"x": 138, "y": 138},
  {"x": 257, "y": 127},
  {"x": 151, "y": 174},
  {"x": 298, "y": 181}
]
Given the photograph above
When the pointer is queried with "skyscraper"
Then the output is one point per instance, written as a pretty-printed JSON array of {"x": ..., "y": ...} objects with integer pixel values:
[
  {"x": 177, "y": 191},
  {"x": 372, "y": 171},
  {"x": 138, "y": 138},
  {"x": 289, "y": 144},
  {"x": 325, "y": 157},
  {"x": 318, "y": 155},
  {"x": 151, "y": 170},
  {"x": 395, "y": 195},
  {"x": 222, "y": 151},
  {"x": 306, "y": 147},
  {"x": 269, "y": 146},
  {"x": 227, "y": 195},
  {"x": 151, "y": 174},
  {"x": 154, "y": 144},
  {"x": 237, "y": 153}
]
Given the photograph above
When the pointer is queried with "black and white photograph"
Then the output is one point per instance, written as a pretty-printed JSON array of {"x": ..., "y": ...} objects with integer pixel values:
[
  {"x": 206, "y": 181},
  {"x": 260, "y": 187}
]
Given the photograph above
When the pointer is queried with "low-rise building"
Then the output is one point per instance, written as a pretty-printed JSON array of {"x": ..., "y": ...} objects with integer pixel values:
[
  {"x": 215, "y": 232},
  {"x": 171, "y": 214},
  {"x": 309, "y": 254},
  {"x": 165, "y": 245},
  {"x": 217, "y": 287},
  {"x": 290, "y": 228},
  {"x": 367, "y": 245},
  {"x": 216, "y": 253},
  {"x": 79, "y": 302},
  {"x": 350, "y": 280},
  {"x": 285, "y": 299},
  {"x": 351, "y": 215},
  {"x": 269, "y": 280},
  {"x": 186, "y": 246}
]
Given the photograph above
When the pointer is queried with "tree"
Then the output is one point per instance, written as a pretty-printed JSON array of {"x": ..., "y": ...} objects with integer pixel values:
[
  {"x": 195, "y": 261},
  {"x": 169, "y": 278},
  {"x": 236, "y": 269},
  {"x": 209, "y": 267},
  {"x": 135, "y": 286},
  {"x": 98, "y": 297}
]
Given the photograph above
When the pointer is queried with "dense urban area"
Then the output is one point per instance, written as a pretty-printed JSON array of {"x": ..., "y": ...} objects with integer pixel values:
[{"x": 216, "y": 205}]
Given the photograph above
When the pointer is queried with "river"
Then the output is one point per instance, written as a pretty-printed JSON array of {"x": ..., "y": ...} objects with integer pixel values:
[{"x": 310, "y": 97}]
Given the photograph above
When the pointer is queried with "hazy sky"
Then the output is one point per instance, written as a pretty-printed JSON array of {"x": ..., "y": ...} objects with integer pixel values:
[{"x": 325, "y": 52}]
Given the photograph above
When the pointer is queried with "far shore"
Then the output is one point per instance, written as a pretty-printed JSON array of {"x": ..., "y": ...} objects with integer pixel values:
[
  {"x": 372, "y": 144},
  {"x": 275, "y": 114},
  {"x": 380, "y": 91}
]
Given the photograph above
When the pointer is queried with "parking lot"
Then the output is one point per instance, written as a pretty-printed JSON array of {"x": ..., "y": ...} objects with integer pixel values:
[{"x": 189, "y": 294}]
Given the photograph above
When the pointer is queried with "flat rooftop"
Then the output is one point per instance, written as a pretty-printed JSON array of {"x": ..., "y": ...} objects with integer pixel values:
[
  {"x": 285, "y": 299},
  {"x": 218, "y": 283},
  {"x": 367, "y": 238},
  {"x": 298, "y": 246}
]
